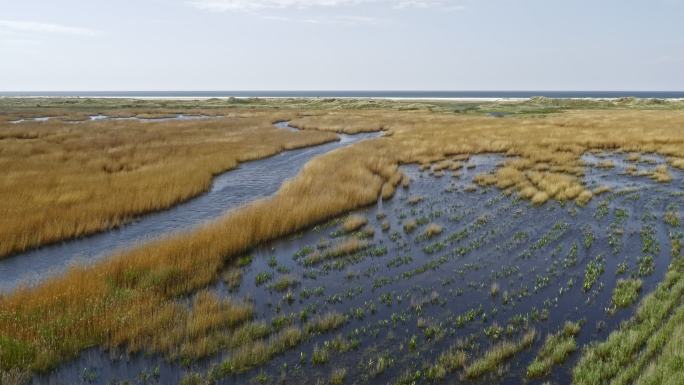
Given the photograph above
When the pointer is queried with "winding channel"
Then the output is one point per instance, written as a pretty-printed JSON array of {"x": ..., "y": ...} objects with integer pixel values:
[{"x": 236, "y": 187}]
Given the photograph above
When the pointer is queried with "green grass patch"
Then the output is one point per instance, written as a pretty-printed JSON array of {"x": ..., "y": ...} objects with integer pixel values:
[
  {"x": 555, "y": 350},
  {"x": 626, "y": 292},
  {"x": 497, "y": 354}
]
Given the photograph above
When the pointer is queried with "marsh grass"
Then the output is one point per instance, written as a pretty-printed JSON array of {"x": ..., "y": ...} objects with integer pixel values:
[
  {"x": 626, "y": 292},
  {"x": 232, "y": 277},
  {"x": 260, "y": 352},
  {"x": 410, "y": 225},
  {"x": 77, "y": 179},
  {"x": 354, "y": 222},
  {"x": 432, "y": 230},
  {"x": 661, "y": 174},
  {"x": 606, "y": 164},
  {"x": 325, "y": 323},
  {"x": 497, "y": 354},
  {"x": 449, "y": 361},
  {"x": 338, "y": 376},
  {"x": 285, "y": 283},
  {"x": 108, "y": 303},
  {"x": 624, "y": 355},
  {"x": 340, "y": 249},
  {"x": 494, "y": 289},
  {"x": 555, "y": 350},
  {"x": 415, "y": 199},
  {"x": 14, "y": 377},
  {"x": 594, "y": 269},
  {"x": 671, "y": 217}
]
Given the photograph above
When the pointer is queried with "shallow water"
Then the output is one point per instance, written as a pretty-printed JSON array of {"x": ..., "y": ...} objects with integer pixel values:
[
  {"x": 247, "y": 182},
  {"x": 37, "y": 119},
  {"x": 179, "y": 117},
  {"x": 409, "y": 288},
  {"x": 101, "y": 117}
]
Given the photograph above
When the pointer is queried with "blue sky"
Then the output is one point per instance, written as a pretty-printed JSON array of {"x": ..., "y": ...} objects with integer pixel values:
[{"x": 341, "y": 45}]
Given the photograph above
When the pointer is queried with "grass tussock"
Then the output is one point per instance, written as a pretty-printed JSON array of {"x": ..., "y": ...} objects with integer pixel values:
[
  {"x": 284, "y": 283},
  {"x": 601, "y": 190},
  {"x": 14, "y": 377},
  {"x": 449, "y": 361},
  {"x": 410, "y": 225},
  {"x": 497, "y": 354},
  {"x": 433, "y": 230},
  {"x": 187, "y": 331},
  {"x": 626, "y": 292},
  {"x": 260, "y": 352},
  {"x": 327, "y": 322},
  {"x": 338, "y": 376},
  {"x": 415, "y": 199},
  {"x": 340, "y": 249},
  {"x": 661, "y": 174},
  {"x": 555, "y": 350},
  {"x": 354, "y": 222},
  {"x": 606, "y": 164}
]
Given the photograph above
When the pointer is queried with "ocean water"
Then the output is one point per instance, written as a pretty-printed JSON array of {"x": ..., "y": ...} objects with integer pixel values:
[{"x": 353, "y": 94}]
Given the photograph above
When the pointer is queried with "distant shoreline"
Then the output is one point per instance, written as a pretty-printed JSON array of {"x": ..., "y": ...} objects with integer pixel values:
[{"x": 389, "y": 95}]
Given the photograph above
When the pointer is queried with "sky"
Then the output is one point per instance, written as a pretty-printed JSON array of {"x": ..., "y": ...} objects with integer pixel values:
[{"x": 91, "y": 45}]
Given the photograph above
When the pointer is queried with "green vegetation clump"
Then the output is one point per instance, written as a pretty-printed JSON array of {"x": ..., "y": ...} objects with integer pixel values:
[
  {"x": 594, "y": 269},
  {"x": 671, "y": 217},
  {"x": 260, "y": 352},
  {"x": 447, "y": 362},
  {"x": 497, "y": 354},
  {"x": 555, "y": 350},
  {"x": 626, "y": 292},
  {"x": 284, "y": 283},
  {"x": 345, "y": 247},
  {"x": 263, "y": 277},
  {"x": 338, "y": 376},
  {"x": 325, "y": 323},
  {"x": 410, "y": 225}
]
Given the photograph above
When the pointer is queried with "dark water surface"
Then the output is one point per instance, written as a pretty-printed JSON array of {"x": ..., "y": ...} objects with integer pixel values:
[
  {"x": 247, "y": 182},
  {"x": 408, "y": 298}
]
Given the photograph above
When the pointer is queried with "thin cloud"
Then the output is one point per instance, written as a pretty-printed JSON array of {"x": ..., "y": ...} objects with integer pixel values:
[
  {"x": 258, "y": 5},
  {"x": 336, "y": 20},
  {"x": 255, "y": 5},
  {"x": 33, "y": 27},
  {"x": 442, "y": 4}
]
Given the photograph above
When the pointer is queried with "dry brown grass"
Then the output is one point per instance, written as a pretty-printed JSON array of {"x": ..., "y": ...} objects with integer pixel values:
[
  {"x": 354, "y": 222},
  {"x": 342, "y": 248},
  {"x": 432, "y": 229},
  {"x": 108, "y": 303},
  {"x": 548, "y": 150},
  {"x": 661, "y": 174},
  {"x": 606, "y": 164},
  {"x": 342, "y": 121},
  {"x": 62, "y": 180}
]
